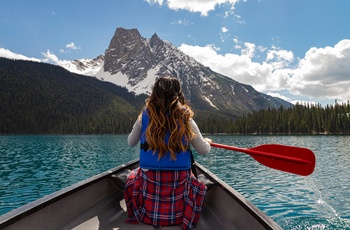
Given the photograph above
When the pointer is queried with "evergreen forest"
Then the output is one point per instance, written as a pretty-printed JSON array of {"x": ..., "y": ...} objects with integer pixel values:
[
  {"x": 39, "y": 98},
  {"x": 299, "y": 119}
]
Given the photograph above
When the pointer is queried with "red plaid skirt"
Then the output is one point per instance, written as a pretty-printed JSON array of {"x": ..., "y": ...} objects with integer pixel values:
[{"x": 164, "y": 197}]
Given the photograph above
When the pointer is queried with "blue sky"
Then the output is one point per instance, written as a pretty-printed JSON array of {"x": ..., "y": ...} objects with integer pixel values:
[{"x": 298, "y": 50}]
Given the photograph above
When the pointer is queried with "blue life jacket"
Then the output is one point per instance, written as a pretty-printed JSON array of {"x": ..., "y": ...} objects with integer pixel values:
[{"x": 149, "y": 160}]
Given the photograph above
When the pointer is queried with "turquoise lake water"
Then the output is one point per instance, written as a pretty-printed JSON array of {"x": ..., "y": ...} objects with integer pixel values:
[{"x": 32, "y": 166}]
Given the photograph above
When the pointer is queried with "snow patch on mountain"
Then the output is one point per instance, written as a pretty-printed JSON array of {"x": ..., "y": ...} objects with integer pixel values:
[
  {"x": 123, "y": 80},
  {"x": 117, "y": 79},
  {"x": 210, "y": 103},
  {"x": 88, "y": 67},
  {"x": 245, "y": 89},
  {"x": 233, "y": 90}
]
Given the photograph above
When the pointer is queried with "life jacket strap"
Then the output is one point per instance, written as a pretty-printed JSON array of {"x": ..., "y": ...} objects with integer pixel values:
[{"x": 145, "y": 147}]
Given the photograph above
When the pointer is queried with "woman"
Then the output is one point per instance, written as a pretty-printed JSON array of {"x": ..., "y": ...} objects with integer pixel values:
[{"x": 164, "y": 191}]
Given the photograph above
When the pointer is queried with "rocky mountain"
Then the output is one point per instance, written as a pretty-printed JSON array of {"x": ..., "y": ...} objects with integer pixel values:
[{"x": 134, "y": 62}]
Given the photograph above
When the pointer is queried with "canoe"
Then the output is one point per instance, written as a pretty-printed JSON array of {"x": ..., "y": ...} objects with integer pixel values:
[{"x": 97, "y": 203}]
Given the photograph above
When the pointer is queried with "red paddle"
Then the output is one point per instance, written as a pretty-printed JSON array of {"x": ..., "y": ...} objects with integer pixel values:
[{"x": 297, "y": 160}]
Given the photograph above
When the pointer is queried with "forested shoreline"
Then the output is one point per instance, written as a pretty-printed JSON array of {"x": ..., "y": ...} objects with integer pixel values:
[{"x": 299, "y": 119}]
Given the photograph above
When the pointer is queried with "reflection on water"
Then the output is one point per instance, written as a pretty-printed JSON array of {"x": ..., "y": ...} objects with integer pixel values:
[{"x": 34, "y": 166}]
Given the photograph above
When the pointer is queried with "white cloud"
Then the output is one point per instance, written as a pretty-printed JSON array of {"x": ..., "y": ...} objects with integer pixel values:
[
  {"x": 261, "y": 49},
  {"x": 11, "y": 55},
  {"x": 224, "y": 34},
  {"x": 291, "y": 100},
  {"x": 237, "y": 43},
  {"x": 184, "y": 22},
  {"x": 160, "y": 2},
  {"x": 238, "y": 19},
  {"x": 249, "y": 49},
  {"x": 48, "y": 57},
  {"x": 324, "y": 71},
  {"x": 322, "y": 74},
  {"x": 239, "y": 67},
  {"x": 280, "y": 96},
  {"x": 52, "y": 58},
  {"x": 200, "y": 6},
  {"x": 279, "y": 55},
  {"x": 224, "y": 29},
  {"x": 72, "y": 46},
  {"x": 279, "y": 58}
]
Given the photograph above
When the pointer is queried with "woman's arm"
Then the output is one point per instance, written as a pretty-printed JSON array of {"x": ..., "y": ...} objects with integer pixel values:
[
  {"x": 134, "y": 136},
  {"x": 200, "y": 144}
]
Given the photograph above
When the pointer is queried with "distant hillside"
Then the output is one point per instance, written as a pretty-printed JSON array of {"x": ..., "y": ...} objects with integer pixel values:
[{"x": 42, "y": 98}]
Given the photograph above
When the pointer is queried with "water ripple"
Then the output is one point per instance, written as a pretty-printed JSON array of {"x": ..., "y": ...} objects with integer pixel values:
[{"x": 34, "y": 166}]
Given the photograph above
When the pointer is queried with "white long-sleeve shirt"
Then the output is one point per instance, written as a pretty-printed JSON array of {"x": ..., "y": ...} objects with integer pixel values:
[{"x": 198, "y": 143}]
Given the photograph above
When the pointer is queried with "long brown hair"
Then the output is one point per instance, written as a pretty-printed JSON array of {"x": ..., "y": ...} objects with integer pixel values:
[{"x": 168, "y": 112}]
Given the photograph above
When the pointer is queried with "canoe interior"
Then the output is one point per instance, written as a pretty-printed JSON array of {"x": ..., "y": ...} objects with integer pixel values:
[{"x": 98, "y": 203}]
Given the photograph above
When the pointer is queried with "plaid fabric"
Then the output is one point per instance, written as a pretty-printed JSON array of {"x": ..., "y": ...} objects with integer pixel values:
[{"x": 164, "y": 197}]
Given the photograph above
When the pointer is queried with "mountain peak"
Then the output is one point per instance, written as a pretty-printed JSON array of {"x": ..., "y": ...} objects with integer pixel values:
[
  {"x": 155, "y": 40},
  {"x": 125, "y": 47},
  {"x": 124, "y": 38},
  {"x": 131, "y": 34}
]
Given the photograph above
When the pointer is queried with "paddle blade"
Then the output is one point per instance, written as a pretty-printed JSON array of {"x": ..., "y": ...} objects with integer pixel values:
[{"x": 296, "y": 160}]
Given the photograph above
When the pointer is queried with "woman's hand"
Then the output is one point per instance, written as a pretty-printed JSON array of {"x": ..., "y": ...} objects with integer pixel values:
[{"x": 208, "y": 140}]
